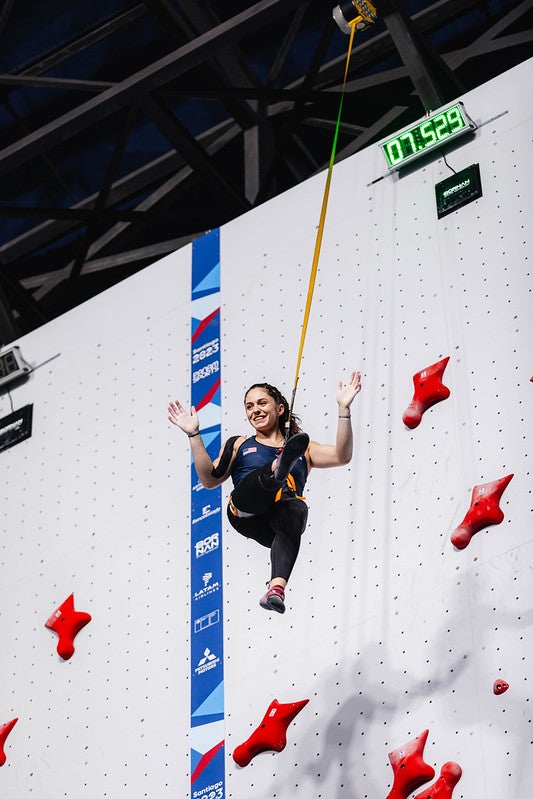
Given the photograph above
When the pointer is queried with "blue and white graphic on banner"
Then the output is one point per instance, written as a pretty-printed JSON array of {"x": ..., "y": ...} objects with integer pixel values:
[{"x": 207, "y": 638}]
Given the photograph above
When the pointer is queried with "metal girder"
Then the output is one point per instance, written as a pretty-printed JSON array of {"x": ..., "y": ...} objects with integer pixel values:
[
  {"x": 23, "y": 302},
  {"x": 309, "y": 78},
  {"x": 235, "y": 71},
  {"x": 487, "y": 41},
  {"x": 381, "y": 45},
  {"x": 223, "y": 65},
  {"x": 49, "y": 165},
  {"x": 4, "y": 14},
  {"x": 142, "y": 82},
  {"x": 433, "y": 80},
  {"x": 188, "y": 147},
  {"x": 8, "y": 331},
  {"x": 118, "y": 229},
  {"x": 65, "y": 84},
  {"x": 287, "y": 43},
  {"x": 152, "y": 173},
  {"x": 149, "y": 252},
  {"x": 84, "y": 41},
  {"x": 105, "y": 188}
]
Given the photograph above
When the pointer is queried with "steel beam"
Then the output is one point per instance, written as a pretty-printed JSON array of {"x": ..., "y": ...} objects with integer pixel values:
[
  {"x": 148, "y": 175},
  {"x": 433, "y": 80},
  {"x": 8, "y": 331},
  {"x": 84, "y": 41},
  {"x": 64, "y": 84},
  {"x": 146, "y": 80},
  {"x": 193, "y": 152}
]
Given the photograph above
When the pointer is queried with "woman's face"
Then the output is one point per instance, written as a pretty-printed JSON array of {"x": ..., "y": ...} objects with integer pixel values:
[{"x": 262, "y": 410}]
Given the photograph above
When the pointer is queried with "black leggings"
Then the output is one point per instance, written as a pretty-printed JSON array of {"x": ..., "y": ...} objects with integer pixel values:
[{"x": 276, "y": 525}]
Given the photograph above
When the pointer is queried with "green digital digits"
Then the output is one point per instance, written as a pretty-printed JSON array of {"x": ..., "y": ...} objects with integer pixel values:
[
  {"x": 408, "y": 136},
  {"x": 455, "y": 119},
  {"x": 394, "y": 152},
  {"x": 405, "y": 146},
  {"x": 427, "y": 132}
]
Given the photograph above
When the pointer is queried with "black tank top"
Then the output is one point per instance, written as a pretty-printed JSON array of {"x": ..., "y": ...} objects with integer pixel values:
[{"x": 251, "y": 455}]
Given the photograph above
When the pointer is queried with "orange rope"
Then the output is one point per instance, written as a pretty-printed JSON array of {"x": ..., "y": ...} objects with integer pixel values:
[{"x": 320, "y": 232}]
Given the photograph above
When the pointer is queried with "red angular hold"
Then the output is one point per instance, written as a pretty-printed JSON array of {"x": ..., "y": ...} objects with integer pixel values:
[
  {"x": 450, "y": 774},
  {"x": 410, "y": 770},
  {"x": 500, "y": 687},
  {"x": 5, "y": 729},
  {"x": 429, "y": 389},
  {"x": 483, "y": 512},
  {"x": 271, "y": 735},
  {"x": 67, "y": 623}
]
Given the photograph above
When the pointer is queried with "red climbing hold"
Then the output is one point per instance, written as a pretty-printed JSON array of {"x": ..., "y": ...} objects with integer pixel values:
[
  {"x": 484, "y": 510},
  {"x": 271, "y": 735},
  {"x": 429, "y": 389},
  {"x": 67, "y": 623},
  {"x": 500, "y": 687},
  {"x": 450, "y": 774},
  {"x": 410, "y": 770},
  {"x": 5, "y": 729}
]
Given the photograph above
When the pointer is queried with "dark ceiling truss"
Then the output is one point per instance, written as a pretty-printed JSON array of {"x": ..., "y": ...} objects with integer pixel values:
[
  {"x": 146, "y": 80},
  {"x": 180, "y": 175},
  {"x": 270, "y": 129}
]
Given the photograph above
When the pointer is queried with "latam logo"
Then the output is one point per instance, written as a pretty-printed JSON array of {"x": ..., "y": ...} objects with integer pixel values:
[{"x": 209, "y": 587}]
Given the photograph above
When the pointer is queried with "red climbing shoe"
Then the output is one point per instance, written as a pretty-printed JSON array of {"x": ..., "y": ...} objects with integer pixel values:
[
  {"x": 293, "y": 449},
  {"x": 274, "y": 599}
]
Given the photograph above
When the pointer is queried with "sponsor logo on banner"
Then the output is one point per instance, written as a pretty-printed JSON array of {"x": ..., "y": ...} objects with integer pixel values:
[
  {"x": 207, "y": 662},
  {"x": 210, "y": 587},
  {"x": 206, "y": 512},
  {"x": 207, "y": 544},
  {"x": 207, "y": 621}
]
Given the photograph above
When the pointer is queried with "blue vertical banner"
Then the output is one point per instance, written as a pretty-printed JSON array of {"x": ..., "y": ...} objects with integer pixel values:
[{"x": 207, "y": 640}]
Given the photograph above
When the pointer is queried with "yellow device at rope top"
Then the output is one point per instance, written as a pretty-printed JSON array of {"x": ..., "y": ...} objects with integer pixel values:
[
  {"x": 354, "y": 13},
  {"x": 368, "y": 10}
]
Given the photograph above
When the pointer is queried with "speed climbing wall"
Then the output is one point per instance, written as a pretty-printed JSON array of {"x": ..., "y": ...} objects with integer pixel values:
[{"x": 390, "y": 630}]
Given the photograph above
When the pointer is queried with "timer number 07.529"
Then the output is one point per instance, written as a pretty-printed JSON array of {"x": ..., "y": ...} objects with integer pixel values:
[{"x": 434, "y": 131}]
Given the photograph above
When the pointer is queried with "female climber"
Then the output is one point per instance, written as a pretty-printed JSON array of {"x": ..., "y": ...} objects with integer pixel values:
[{"x": 269, "y": 474}]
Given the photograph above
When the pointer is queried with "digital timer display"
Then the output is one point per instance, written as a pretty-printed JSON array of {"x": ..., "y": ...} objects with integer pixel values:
[
  {"x": 8, "y": 364},
  {"x": 12, "y": 365},
  {"x": 432, "y": 132}
]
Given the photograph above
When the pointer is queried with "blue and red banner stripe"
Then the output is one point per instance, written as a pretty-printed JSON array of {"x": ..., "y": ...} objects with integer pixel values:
[{"x": 207, "y": 639}]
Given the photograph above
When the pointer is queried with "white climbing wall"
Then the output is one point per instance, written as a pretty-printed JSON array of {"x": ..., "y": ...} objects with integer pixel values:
[{"x": 388, "y": 630}]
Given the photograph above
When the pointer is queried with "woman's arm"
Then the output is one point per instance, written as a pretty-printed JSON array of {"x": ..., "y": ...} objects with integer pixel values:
[
  {"x": 323, "y": 456},
  {"x": 188, "y": 422}
]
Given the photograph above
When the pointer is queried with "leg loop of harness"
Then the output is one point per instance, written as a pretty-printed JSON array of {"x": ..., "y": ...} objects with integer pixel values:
[{"x": 240, "y": 514}]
